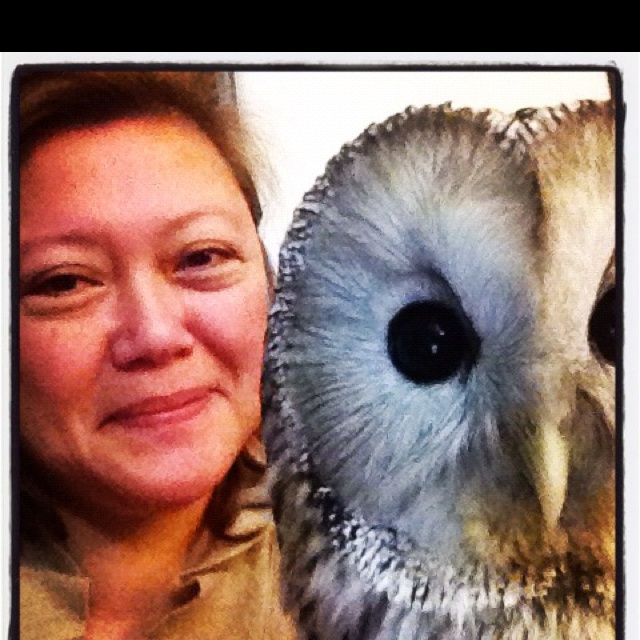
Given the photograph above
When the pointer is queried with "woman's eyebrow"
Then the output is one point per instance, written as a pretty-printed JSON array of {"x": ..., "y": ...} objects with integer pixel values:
[
  {"x": 178, "y": 222},
  {"x": 70, "y": 238}
]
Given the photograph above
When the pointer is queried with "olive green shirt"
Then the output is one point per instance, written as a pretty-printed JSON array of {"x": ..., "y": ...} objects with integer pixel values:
[{"x": 230, "y": 587}]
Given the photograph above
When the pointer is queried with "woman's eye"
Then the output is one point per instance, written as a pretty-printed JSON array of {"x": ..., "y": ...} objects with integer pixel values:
[
  {"x": 200, "y": 258},
  {"x": 204, "y": 261},
  {"x": 59, "y": 284},
  {"x": 55, "y": 292},
  {"x": 207, "y": 268}
]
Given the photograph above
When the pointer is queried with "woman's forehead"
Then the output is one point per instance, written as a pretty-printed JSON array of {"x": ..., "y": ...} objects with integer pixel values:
[{"x": 130, "y": 168}]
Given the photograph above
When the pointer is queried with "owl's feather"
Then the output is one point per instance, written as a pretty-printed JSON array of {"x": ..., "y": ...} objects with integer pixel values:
[{"x": 478, "y": 504}]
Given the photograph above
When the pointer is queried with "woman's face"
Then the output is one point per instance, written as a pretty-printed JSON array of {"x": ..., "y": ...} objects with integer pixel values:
[{"x": 143, "y": 299}]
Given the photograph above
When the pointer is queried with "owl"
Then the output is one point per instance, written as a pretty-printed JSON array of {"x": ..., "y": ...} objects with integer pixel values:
[{"x": 439, "y": 387}]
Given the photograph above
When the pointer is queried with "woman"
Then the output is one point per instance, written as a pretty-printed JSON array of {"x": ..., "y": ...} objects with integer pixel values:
[{"x": 143, "y": 301}]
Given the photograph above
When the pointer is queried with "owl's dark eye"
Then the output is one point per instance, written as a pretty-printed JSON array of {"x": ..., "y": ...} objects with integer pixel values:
[
  {"x": 602, "y": 326},
  {"x": 429, "y": 342}
]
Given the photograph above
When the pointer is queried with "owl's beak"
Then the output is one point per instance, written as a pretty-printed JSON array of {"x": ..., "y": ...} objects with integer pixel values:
[{"x": 547, "y": 454}]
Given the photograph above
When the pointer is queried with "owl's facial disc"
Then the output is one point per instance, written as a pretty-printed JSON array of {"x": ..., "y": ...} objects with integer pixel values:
[{"x": 428, "y": 342}]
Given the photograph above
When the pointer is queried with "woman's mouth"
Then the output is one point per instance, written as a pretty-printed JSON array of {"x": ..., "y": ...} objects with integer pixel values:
[{"x": 161, "y": 410}]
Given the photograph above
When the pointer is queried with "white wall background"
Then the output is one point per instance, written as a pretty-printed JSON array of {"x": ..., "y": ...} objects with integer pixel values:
[{"x": 303, "y": 117}]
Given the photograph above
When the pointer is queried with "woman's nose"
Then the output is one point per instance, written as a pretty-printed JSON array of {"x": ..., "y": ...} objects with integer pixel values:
[{"x": 150, "y": 327}]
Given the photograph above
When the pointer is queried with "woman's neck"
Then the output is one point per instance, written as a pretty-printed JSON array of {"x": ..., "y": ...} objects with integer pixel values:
[{"x": 133, "y": 568}]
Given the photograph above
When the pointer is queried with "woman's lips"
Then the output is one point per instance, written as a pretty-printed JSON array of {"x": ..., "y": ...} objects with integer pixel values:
[{"x": 161, "y": 410}]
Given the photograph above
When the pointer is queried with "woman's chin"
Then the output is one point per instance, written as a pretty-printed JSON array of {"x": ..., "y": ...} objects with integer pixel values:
[
  {"x": 172, "y": 470},
  {"x": 143, "y": 491},
  {"x": 177, "y": 487}
]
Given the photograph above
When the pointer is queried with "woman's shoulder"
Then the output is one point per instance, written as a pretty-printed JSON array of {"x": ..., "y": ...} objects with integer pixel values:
[
  {"x": 230, "y": 585},
  {"x": 236, "y": 594}
]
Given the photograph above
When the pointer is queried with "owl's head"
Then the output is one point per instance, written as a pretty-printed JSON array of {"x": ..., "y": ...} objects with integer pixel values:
[{"x": 441, "y": 364}]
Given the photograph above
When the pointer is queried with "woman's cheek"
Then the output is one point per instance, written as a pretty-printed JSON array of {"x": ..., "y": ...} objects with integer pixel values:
[
  {"x": 231, "y": 324},
  {"x": 58, "y": 359}
]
